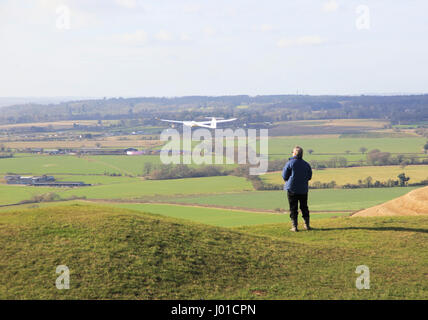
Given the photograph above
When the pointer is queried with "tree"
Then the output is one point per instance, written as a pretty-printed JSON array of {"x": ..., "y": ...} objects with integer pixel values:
[
  {"x": 148, "y": 167},
  {"x": 368, "y": 182},
  {"x": 377, "y": 157},
  {"x": 363, "y": 150},
  {"x": 310, "y": 151},
  {"x": 403, "y": 179}
]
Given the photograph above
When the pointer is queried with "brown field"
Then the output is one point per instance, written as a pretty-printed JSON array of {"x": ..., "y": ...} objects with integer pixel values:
[
  {"x": 56, "y": 124},
  {"x": 414, "y": 203},
  {"x": 372, "y": 123},
  {"x": 312, "y": 136},
  {"x": 82, "y": 143}
]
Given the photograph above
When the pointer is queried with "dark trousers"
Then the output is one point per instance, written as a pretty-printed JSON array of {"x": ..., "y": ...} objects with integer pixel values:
[{"x": 294, "y": 199}]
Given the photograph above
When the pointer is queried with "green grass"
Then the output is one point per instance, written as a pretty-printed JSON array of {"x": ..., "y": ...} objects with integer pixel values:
[
  {"x": 280, "y": 147},
  {"x": 217, "y": 216},
  {"x": 44, "y": 164},
  {"x": 319, "y": 200},
  {"x": 96, "y": 179},
  {"x": 134, "y": 190},
  {"x": 128, "y": 188},
  {"x": 13, "y": 194},
  {"x": 116, "y": 253}
]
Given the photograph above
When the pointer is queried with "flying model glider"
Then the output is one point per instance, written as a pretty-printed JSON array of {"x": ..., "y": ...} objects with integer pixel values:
[{"x": 212, "y": 124}]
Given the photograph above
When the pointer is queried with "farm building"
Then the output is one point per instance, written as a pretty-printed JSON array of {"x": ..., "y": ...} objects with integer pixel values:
[{"x": 45, "y": 181}]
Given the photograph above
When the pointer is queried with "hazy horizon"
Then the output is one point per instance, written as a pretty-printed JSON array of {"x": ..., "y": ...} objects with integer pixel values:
[{"x": 10, "y": 101}]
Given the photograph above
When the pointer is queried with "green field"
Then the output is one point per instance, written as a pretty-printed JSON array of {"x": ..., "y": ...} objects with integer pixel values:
[
  {"x": 68, "y": 164},
  {"x": 280, "y": 147},
  {"x": 116, "y": 253},
  {"x": 342, "y": 176},
  {"x": 217, "y": 216},
  {"x": 14, "y": 194},
  {"x": 135, "y": 189},
  {"x": 325, "y": 147},
  {"x": 319, "y": 200}
]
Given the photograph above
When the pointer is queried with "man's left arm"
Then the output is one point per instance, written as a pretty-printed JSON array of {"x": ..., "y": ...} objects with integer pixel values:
[
  {"x": 310, "y": 172},
  {"x": 286, "y": 172}
]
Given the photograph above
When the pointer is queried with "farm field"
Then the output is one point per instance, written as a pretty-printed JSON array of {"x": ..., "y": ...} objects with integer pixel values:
[
  {"x": 319, "y": 200},
  {"x": 217, "y": 216},
  {"x": 14, "y": 194},
  {"x": 351, "y": 175},
  {"x": 115, "y": 253},
  {"x": 97, "y": 179},
  {"x": 107, "y": 143},
  {"x": 132, "y": 190},
  {"x": 68, "y": 164},
  {"x": 280, "y": 147},
  {"x": 325, "y": 147},
  {"x": 135, "y": 190},
  {"x": 44, "y": 164}
]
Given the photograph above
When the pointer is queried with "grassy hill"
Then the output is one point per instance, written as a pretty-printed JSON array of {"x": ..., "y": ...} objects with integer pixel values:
[{"x": 115, "y": 253}]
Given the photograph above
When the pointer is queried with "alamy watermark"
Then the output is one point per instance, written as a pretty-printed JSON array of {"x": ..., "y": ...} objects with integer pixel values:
[
  {"x": 363, "y": 281},
  {"x": 63, "y": 281},
  {"x": 218, "y": 146},
  {"x": 363, "y": 17},
  {"x": 63, "y": 19}
]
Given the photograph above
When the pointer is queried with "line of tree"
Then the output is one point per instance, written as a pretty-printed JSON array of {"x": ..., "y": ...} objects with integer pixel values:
[
  {"x": 180, "y": 171},
  {"x": 267, "y": 108}
]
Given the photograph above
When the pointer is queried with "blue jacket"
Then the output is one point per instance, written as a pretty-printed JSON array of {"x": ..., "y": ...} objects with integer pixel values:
[{"x": 296, "y": 174}]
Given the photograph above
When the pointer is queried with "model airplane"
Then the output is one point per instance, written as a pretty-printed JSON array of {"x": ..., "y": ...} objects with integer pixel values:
[{"x": 212, "y": 124}]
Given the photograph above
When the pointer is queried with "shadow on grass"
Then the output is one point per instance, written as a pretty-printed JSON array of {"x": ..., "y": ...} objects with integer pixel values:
[{"x": 373, "y": 229}]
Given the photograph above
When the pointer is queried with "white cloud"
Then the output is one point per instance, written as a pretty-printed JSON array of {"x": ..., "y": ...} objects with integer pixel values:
[
  {"x": 301, "y": 41},
  {"x": 330, "y": 6},
  {"x": 191, "y": 8},
  {"x": 163, "y": 36},
  {"x": 266, "y": 27},
  {"x": 130, "y": 4},
  {"x": 185, "y": 37},
  {"x": 209, "y": 31},
  {"x": 137, "y": 37}
]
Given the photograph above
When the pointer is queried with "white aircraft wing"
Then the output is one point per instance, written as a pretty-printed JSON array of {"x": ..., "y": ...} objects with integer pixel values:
[
  {"x": 227, "y": 120},
  {"x": 173, "y": 121}
]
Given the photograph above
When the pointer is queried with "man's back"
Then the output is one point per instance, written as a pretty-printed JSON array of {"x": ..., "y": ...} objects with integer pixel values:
[{"x": 297, "y": 172}]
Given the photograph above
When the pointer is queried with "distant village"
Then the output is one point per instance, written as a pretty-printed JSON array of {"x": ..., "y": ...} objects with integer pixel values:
[{"x": 42, "y": 181}]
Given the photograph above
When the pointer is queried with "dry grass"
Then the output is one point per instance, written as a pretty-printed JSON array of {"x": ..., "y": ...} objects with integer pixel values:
[
  {"x": 56, "y": 124},
  {"x": 414, "y": 203},
  {"x": 82, "y": 143}
]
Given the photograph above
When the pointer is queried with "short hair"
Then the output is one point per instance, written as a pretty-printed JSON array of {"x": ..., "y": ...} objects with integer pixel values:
[{"x": 299, "y": 152}]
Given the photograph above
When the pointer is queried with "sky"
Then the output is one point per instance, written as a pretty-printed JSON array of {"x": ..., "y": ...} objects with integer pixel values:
[{"x": 135, "y": 48}]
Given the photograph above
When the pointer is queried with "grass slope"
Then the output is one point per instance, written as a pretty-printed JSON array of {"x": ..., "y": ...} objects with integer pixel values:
[{"x": 118, "y": 254}]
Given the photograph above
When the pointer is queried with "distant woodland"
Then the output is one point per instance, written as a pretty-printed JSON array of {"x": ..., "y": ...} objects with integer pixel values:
[{"x": 268, "y": 108}]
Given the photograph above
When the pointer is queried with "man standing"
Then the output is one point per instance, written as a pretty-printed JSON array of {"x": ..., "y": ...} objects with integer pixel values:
[{"x": 296, "y": 174}]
